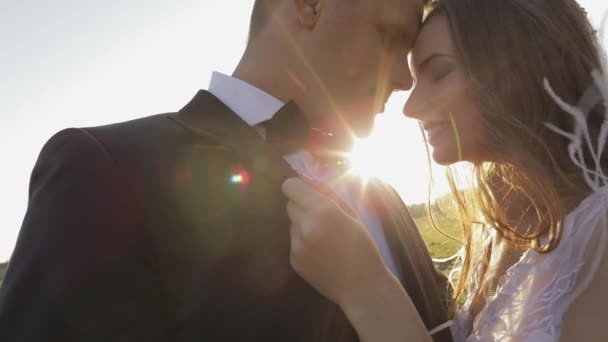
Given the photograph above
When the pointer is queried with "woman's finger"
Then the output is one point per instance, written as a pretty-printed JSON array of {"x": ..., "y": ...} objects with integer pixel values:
[
  {"x": 302, "y": 248},
  {"x": 295, "y": 212},
  {"x": 293, "y": 187},
  {"x": 295, "y": 254},
  {"x": 313, "y": 196},
  {"x": 300, "y": 192}
]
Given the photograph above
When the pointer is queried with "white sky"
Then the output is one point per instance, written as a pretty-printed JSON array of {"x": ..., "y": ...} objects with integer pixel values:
[{"x": 75, "y": 63}]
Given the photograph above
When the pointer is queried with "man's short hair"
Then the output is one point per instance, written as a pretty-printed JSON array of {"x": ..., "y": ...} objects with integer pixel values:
[{"x": 262, "y": 11}]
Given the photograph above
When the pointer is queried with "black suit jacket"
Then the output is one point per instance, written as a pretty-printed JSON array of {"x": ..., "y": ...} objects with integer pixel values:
[{"x": 136, "y": 232}]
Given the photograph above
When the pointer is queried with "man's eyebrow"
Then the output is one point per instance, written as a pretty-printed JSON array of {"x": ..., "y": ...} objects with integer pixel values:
[
  {"x": 403, "y": 30},
  {"x": 429, "y": 59},
  {"x": 408, "y": 35}
]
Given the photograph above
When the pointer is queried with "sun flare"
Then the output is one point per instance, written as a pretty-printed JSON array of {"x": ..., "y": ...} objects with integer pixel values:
[{"x": 395, "y": 153}]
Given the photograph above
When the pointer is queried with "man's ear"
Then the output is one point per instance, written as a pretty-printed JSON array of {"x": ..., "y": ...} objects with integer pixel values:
[{"x": 308, "y": 12}]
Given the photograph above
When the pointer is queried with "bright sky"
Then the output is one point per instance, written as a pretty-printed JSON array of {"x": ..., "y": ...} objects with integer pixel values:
[{"x": 75, "y": 63}]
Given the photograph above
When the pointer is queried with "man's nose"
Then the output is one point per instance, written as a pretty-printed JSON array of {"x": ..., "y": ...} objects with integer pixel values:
[{"x": 401, "y": 77}]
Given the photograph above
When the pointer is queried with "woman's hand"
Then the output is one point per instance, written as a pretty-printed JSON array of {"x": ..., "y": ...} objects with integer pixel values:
[
  {"x": 332, "y": 250},
  {"x": 330, "y": 247}
]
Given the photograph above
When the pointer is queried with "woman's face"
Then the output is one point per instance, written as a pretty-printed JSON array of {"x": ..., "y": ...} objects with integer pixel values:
[{"x": 441, "y": 98}]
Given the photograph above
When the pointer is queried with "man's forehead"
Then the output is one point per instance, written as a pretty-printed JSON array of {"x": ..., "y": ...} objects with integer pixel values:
[
  {"x": 402, "y": 6},
  {"x": 402, "y": 12}
]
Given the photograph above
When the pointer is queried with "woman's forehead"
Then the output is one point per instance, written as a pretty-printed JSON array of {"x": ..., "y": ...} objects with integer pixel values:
[{"x": 434, "y": 37}]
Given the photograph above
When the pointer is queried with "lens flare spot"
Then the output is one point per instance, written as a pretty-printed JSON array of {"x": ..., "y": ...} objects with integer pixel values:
[{"x": 240, "y": 176}]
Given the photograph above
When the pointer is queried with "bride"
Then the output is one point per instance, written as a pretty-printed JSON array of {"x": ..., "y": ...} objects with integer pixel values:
[{"x": 513, "y": 88}]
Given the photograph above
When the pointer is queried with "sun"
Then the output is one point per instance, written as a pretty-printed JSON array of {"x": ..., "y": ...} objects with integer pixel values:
[
  {"x": 395, "y": 153},
  {"x": 363, "y": 161}
]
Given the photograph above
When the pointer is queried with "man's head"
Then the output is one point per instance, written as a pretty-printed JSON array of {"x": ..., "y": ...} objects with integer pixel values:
[{"x": 343, "y": 57}]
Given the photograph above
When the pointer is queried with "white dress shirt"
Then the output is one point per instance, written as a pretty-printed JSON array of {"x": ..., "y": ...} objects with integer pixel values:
[{"x": 255, "y": 106}]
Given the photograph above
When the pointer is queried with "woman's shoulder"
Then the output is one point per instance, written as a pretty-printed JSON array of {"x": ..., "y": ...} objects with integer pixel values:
[
  {"x": 586, "y": 314},
  {"x": 540, "y": 290},
  {"x": 586, "y": 218}
]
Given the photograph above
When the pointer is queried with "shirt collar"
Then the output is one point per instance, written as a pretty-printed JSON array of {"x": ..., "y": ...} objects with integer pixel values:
[{"x": 253, "y": 105}]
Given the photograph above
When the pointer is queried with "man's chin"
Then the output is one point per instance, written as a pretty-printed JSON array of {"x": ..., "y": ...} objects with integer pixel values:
[
  {"x": 356, "y": 122},
  {"x": 362, "y": 131},
  {"x": 362, "y": 125},
  {"x": 343, "y": 136}
]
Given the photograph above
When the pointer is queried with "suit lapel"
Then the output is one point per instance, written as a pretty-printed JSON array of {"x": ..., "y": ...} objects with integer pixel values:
[
  {"x": 206, "y": 116},
  {"x": 427, "y": 288},
  {"x": 396, "y": 222}
]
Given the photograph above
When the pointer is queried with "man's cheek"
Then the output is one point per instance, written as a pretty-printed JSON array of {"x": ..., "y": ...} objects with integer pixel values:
[{"x": 359, "y": 58}]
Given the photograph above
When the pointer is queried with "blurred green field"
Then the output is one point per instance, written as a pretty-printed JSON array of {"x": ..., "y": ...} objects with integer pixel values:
[
  {"x": 439, "y": 245},
  {"x": 3, "y": 267}
]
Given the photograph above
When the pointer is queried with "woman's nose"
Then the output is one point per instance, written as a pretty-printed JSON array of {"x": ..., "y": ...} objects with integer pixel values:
[{"x": 415, "y": 106}]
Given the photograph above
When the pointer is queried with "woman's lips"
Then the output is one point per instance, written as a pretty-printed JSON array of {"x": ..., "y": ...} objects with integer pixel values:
[{"x": 436, "y": 131}]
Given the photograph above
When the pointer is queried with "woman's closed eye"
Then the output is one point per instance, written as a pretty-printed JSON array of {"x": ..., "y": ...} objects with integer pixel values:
[
  {"x": 436, "y": 67},
  {"x": 438, "y": 72}
]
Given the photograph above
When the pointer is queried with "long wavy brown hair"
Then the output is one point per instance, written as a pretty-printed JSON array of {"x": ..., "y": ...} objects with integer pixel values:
[{"x": 508, "y": 48}]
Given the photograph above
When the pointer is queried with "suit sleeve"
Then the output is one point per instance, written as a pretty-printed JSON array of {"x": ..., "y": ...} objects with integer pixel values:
[{"x": 81, "y": 268}]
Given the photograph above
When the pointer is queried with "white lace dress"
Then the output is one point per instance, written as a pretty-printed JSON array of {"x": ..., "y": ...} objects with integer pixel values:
[{"x": 535, "y": 293}]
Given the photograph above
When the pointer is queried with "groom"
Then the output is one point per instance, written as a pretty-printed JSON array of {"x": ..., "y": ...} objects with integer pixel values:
[{"x": 173, "y": 227}]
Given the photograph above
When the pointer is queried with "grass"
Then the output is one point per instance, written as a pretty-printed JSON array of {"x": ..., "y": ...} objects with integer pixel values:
[
  {"x": 440, "y": 245},
  {"x": 3, "y": 267}
]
